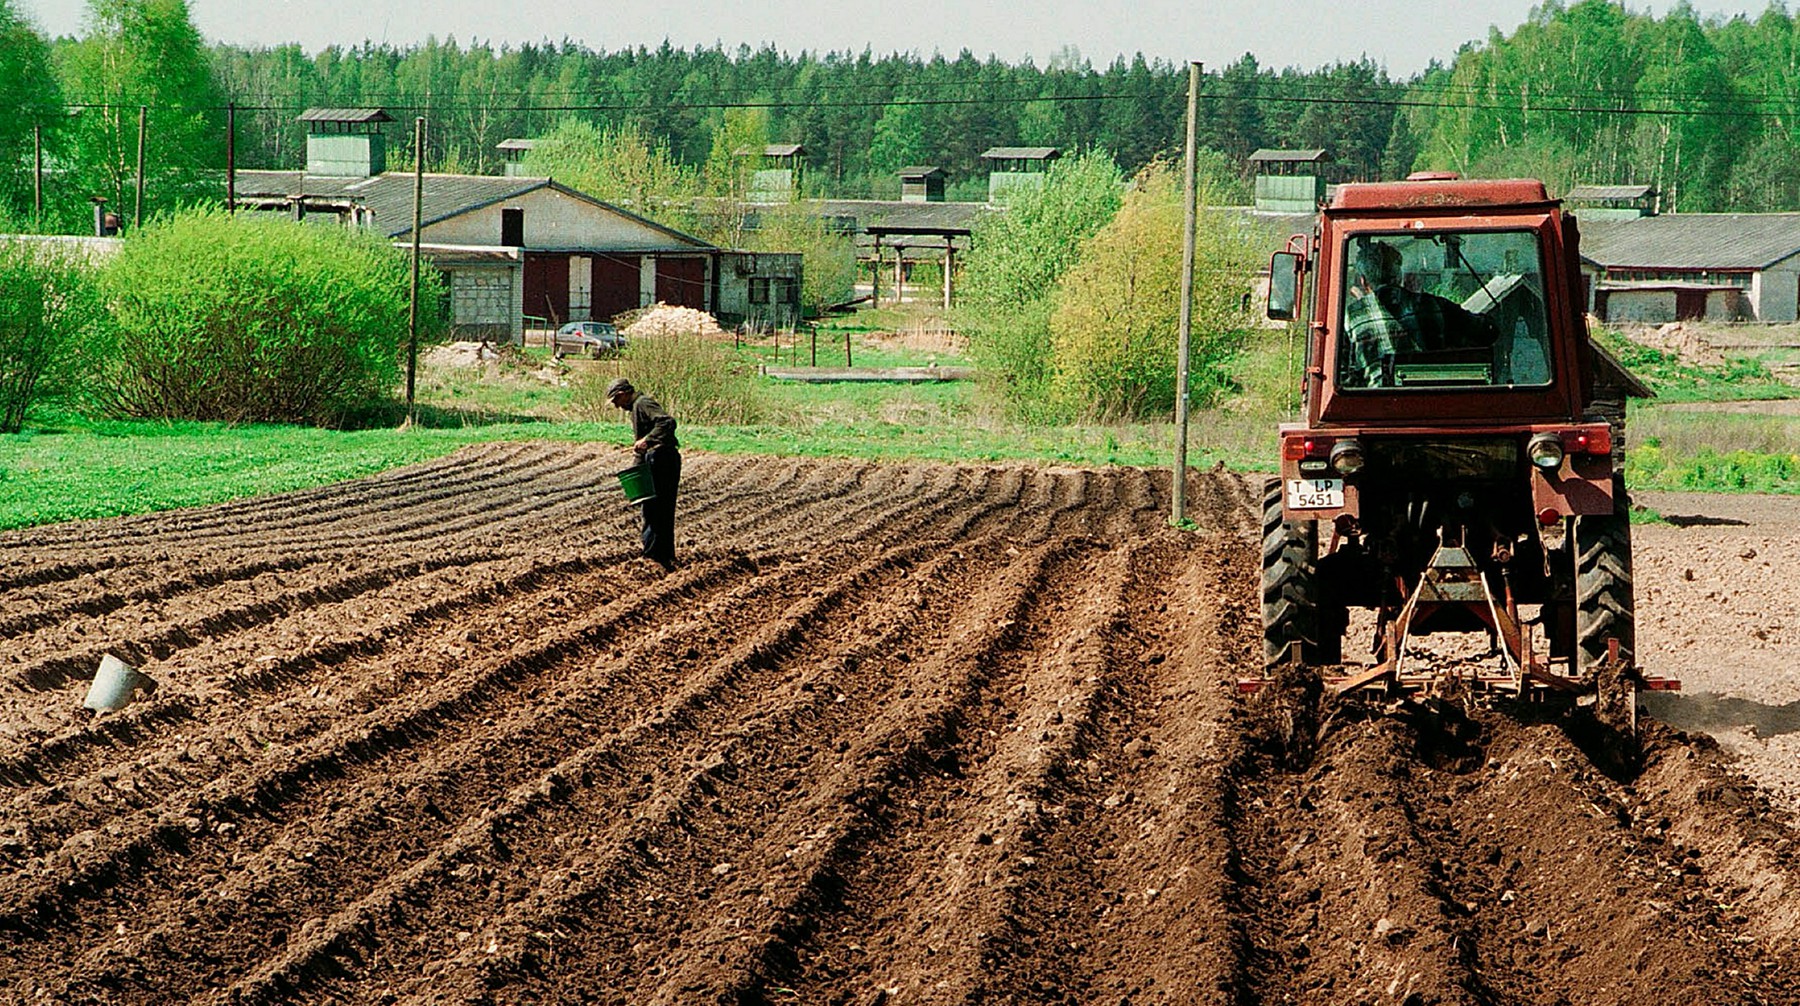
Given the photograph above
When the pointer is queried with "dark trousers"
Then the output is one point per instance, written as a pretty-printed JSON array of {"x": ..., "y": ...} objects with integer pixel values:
[{"x": 659, "y": 513}]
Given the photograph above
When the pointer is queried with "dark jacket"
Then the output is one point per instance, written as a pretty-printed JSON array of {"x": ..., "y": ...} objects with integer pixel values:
[{"x": 651, "y": 424}]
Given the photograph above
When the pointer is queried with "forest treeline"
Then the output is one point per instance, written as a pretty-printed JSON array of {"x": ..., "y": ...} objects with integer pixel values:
[{"x": 1705, "y": 109}]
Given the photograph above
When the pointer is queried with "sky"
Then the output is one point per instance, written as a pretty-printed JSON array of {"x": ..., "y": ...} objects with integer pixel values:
[{"x": 1402, "y": 35}]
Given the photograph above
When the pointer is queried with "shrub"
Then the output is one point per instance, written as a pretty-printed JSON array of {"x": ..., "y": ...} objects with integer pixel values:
[
  {"x": 49, "y": 306},
  {"x": 696, "y": 379},
  {"x": 246, "y": 319},
  {"x": 1114, "y": 330},
  {"x": 1015, "y": 260}
]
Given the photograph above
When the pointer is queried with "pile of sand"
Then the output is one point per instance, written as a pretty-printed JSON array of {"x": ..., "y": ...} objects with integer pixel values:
[
  {"x": 1687, "y": 343},
  {"x": 458, "y": 354},
  {"x": 665, "y": 320}
]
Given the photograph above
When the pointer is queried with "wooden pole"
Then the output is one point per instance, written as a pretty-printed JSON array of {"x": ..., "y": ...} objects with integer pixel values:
[
  {"x": 1179, "y": 513},
  {"x": 137, "y": 217},
  {"x": 412, "y": 314},
  {"x": 874, "y": 284},
  {"x": 231, "y": 158},
  {"x": 949, "y": 267},
  {"x": 37, "y": 185},
  {"x": 899, "y": 274}
]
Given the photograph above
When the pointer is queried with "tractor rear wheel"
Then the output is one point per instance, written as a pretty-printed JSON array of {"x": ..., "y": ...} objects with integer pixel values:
[
  {"x": 1295, "y": 630},
  {"x": 1603, "y": 599}
]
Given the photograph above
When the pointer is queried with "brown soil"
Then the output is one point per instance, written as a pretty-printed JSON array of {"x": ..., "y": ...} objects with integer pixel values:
[{"x": 892, "y": 734}]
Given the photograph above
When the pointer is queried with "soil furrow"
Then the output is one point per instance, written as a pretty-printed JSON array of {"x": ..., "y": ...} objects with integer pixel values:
[
  {"x": 892, "y": 734},
  {"x": 92, "y": 863},
  {"x": 527, "y": 818}
]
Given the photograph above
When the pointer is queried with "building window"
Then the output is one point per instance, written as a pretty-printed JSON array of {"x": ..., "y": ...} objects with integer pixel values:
[
  {"x": 759, "y": 289},
  {"x": 512, "y": 228},
  {"x": 786, "y": 291}
]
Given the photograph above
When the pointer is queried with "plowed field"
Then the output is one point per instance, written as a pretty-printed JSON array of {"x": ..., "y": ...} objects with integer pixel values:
[{"x": 891, "y": 734}]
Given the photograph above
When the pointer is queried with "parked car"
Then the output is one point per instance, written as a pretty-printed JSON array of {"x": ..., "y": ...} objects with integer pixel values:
[{"x": 590, "y": 338}]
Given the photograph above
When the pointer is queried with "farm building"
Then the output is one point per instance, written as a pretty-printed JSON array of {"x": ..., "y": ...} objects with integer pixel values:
[
  {"x": 517, "y": 250},
  {"x": 1691, "y": 266},
  {"x": 1011, "y": 167}
]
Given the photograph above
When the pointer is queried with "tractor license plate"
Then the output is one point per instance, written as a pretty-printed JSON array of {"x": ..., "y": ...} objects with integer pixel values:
[{"x": 1315, "y": 494}]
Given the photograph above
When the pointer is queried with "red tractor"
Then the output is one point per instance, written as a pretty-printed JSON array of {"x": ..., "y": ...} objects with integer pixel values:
[{"x": 1459, "y": 468}]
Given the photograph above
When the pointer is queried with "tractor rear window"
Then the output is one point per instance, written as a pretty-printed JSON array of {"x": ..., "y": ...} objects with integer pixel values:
[{"x": 1443, "y": 309}]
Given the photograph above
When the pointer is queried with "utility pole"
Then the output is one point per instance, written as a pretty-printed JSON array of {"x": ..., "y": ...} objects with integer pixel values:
[
  {"x": 37, "y": 184},
  {"x": 231, "y": 158},
  {"x": 412, "y": 313},
  {"x": 1187, "y": 307},
  {"x": 137, "y": 217}
]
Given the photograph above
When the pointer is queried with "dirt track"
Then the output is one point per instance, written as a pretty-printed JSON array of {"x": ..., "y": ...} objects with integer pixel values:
[{"x": 893, "y": 734}]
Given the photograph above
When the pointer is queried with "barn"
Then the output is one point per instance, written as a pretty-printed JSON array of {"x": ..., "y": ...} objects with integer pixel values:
[
  {"x": 1693, "y": 266},
  {"x": 516, "y": 251}
]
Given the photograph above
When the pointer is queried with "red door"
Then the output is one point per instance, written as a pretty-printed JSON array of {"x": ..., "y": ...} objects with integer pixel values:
[
  {"x": 547, "y": 288},
  {"x": 681, "y": 282},
  {"x": 1690, "y": 305},
  {"x": 616, "y": 283}
]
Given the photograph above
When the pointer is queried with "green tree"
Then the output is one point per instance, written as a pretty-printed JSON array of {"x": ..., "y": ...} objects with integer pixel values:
[
  {"x": 900, "y": 139},
  {"x": 619, "y": 165},
  {"x": 827, "y": 258},
  {"x": 144, "y": 53},
  {"x": 30, "y": 100},
  {"x": 1015, "y": 259}
]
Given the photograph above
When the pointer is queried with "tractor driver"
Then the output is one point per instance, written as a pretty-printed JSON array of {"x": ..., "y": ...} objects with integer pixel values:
[{"x": 1386, "y": 319}]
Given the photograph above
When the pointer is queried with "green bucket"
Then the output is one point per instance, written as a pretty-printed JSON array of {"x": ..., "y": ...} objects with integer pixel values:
[{"x": 637, "y": 483}]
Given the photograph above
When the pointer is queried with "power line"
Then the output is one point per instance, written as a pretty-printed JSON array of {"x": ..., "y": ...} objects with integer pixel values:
[{"x": 1523, "y": 106}]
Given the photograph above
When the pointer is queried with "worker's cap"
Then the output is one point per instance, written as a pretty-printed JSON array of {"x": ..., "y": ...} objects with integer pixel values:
[{"x": 618, "y": 387}]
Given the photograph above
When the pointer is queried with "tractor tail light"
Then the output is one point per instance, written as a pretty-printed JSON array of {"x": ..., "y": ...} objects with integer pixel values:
[
  {"x": 1548, "y": 516},
  {"x": 1588, "y": 440},
  {"x": 1298, "y": 447}
]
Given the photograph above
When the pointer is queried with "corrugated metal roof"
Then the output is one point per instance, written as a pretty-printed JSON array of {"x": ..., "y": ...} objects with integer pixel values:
[
  {"x": 1692, "y": 241},
  {"x": 920, "y": 171},
  {"x": 894, "y": 217},
  {"x": 1610, "y": 192},
  {"x": 516, "y": 144},
  {"x": 783, "y": 150},
  {"x": 1269, "y": 154},
  {"x": 390, "y": 197},
  {"x": 1021, "y": 153},
  {"x": 345, "y": 115}
]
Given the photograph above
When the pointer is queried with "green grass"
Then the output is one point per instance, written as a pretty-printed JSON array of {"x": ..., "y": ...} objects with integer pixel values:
[
  {"x": 83, "y": 470},
  {"x": 1744, "y": 376}
]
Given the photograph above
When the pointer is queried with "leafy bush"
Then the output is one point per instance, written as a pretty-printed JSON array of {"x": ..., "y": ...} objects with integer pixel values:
[
  {"x": 696, "y": 379},
  {"x": 1015, "y": 259},
  {"x": 244, "y": 319},
  {"x": 49, "y": 306},
  {"x": 1114, "y": 330}
]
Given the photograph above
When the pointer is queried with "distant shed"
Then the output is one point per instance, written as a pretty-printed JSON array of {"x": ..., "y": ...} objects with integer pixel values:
[
  {"x": 1289, "y": 181},
  {"x": 1693, "y": 259}
]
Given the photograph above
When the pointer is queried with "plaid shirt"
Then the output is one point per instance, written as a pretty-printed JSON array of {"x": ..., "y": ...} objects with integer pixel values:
[{"x": 1392, "y": 319}]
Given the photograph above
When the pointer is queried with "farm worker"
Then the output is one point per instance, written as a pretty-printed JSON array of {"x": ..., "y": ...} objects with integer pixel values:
[
  {"x": 1386, "y": 319},
  {"x": 656, "y": 446}
]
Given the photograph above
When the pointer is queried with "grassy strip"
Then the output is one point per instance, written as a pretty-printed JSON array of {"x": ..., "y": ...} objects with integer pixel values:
[
  {"x": 112, "y": 469},
  {"x": 83, "y": 471},
  {"x": 1654, "y": 467}
]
